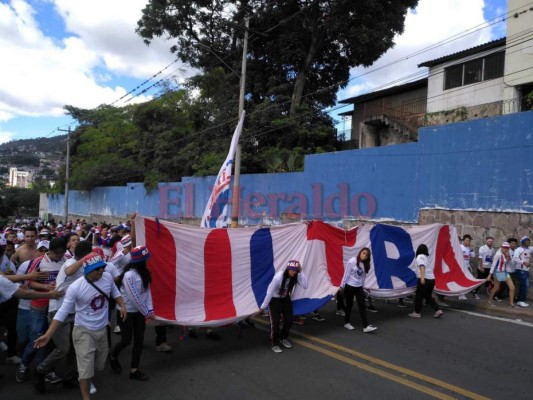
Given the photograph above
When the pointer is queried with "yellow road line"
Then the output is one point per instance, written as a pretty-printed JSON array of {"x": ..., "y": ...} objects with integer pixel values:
[{"x": 381, "y": 363}]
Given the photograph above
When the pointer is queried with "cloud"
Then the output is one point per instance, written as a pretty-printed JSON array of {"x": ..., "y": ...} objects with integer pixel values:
[
  {"x": 424, "y": 38},
  {"x": 5, "y": 137},
  {"x": 41, "y": 74}
]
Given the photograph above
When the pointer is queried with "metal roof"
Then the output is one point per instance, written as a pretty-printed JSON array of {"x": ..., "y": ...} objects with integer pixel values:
[
  {"x": 386, "y": 92},
  {"x": 464, "y": 53}
]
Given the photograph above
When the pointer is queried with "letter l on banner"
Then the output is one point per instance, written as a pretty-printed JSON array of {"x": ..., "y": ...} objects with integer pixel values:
[{"x": 216, "y": 210}]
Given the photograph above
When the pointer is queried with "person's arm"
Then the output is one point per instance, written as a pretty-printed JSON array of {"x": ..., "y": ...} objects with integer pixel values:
[
  {"x": 422, "y": 269},
  {"x": 347, "y": 269},
  {"x": 132, "y": 229},
  {"x": 270, "y": 292},
  {"x": 134, "y": 294},
  {"x": 23, "y": 293},
  {"x": 302, "y": 279},
  {"x": 43, "y": 340},
  {"x": 35, "y": 275},
  {"x": 495, "y": 263},
  {"x": 115, "y": 293},
  {"x": 73, "y": 268}
]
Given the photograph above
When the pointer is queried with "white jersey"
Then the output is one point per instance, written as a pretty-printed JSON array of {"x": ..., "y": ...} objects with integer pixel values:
[
  {"x": 468, "y": 253},
  {"x": 135, "y": 296},
  {"x": 7, "y": 266},
  {"x": 486, "y": 255},
  {"x": 275, "y": 286},
  {"x": 90, "y": 306},
  {"x": 522, "y": 258},
  {"x": 120, "y": 260},
  {"x": 24, "y": 304},
  {"x": 7, "y": 289},
  {"x": 354, "y": 273},
  {"x": 63, "y": 281},
  {"x": 422, "y": 261}
]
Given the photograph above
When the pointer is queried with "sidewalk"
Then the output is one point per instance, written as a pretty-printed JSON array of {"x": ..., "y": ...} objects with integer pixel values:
[{"x": 500, "y": 309}]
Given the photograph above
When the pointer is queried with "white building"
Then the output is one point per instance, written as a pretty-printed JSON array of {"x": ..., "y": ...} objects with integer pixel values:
[{"x": 21, "y": 179}]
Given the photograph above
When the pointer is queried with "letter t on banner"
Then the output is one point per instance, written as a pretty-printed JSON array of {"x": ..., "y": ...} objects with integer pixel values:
[{"x": 216, "y": 210}]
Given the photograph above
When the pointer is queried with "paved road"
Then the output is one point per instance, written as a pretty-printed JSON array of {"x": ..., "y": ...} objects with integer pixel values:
[{"x": 462, "y": 355}]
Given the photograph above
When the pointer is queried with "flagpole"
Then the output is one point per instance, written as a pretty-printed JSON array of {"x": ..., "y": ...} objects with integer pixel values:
[{"x": 237, "y": 167}]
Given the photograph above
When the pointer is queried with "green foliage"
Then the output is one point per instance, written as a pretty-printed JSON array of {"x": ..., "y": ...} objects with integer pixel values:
[{"x": 14, "y": 200}]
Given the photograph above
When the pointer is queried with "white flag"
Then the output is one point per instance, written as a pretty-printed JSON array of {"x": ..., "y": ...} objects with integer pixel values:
[{"x": 216, "y": 210}]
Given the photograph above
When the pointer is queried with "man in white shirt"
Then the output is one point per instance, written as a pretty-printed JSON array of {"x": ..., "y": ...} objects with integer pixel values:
[
  {"x": 486, "y": 256},
  {"x": 70, "y": 271},
  {"x": 88, "y": 297},
  {"x": 522, "y": 260}
]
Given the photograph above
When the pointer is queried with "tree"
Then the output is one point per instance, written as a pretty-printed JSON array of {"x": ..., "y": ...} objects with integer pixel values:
[{"x": 304, "y": 52}]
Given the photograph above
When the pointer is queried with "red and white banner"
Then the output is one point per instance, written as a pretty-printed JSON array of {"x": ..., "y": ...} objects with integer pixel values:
[{"x": 208, "y": 277}]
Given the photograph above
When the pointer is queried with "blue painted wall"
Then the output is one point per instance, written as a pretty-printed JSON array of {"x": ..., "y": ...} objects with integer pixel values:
[{"x": 484, "y": 164}]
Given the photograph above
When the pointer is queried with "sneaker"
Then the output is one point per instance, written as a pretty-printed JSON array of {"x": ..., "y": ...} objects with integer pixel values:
[
  {"x": 438, "y": 314},
  {"x": 51, "y": 377},
  {"x": 213, "y": 335},
  {"x": 318, "y": 317},
  {"x": 463, "y": 297},
  {"x": 497, "y": 298},
  {"x": 276, "y": 349},
  {"x": 92, "y": 389},
  {"x": 13, "y": 360},
  {"x": 522, "y": 304},
  {"x": 414, "y": 315},
  {"x": 116, "y": 329},
  {"x": 371, "y": 308},
  {"x": 22, "y": 373},
  {"x": 476, "y": 296},
  {"x": 39, "y": 379},
  {"x": 164, "y": 348},
  {"x": 401, "y": 304},
  {"x": 115, "y": 365},
  {"x": 370, "y": 328},
  {"x": 512, "y": 305},
  {"x": 489, "y": 304},
  {"x": 3, "y": 346},
  {"x": 349, "y": 326},
  {"x": 286, "y": 343},
  {"x": 138, "y": 376},
  {"x": 341, "y": 313}
]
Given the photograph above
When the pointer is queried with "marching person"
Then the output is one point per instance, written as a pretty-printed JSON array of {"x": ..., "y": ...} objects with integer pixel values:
[
  {"x": 134, "y": 284},
  {"x": 425, "y": 283},
  {"x": 522, "y": 260},
  {"x": 88, "y": 297},
  {"x": 278, "y": 300},
  {"x": 502, "y": 264},
  {"x": 352, "y": 285}
]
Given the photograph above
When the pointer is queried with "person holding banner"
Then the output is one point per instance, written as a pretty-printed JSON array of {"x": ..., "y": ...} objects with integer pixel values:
[
  {"x": 278, "y": 300},
  {"x": 425, "y": 283},
  {"x": 352, "y": 285},
  {"x": 501, "y": 266}
]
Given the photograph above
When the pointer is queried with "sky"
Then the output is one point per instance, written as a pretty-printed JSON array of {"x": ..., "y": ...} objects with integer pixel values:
[{"x": 86, "y": 53}]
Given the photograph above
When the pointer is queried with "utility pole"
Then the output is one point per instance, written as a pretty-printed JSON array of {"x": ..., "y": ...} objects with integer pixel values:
[
  {"x": 67, "y": 174},
  {"x": 237, "y": 166}
]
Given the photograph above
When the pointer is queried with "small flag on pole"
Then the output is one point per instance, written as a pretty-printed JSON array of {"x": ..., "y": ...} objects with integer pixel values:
[{"x": 216, "y": 210}]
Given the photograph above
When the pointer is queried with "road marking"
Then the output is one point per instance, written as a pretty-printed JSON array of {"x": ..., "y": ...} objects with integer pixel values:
[
  {"x": 512, "y": 321},
  {"x": 383, "y": 364}
]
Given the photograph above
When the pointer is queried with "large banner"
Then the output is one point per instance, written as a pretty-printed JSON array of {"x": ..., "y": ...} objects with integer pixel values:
[{"x": 209, "y": 277}]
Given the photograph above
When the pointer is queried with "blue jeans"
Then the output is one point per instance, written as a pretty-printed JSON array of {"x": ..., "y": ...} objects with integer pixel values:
[
  {"x": 38, "y": 324},
  {"x": 523, "y": 282}
]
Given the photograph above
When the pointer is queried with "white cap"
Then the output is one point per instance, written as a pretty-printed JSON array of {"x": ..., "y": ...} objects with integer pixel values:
[{"x": 43, "y": 243}]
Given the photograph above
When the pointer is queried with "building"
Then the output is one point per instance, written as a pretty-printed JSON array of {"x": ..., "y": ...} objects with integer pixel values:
[
  {"x": 22, "y": 179},
  {"x": 491, "y": 79}
]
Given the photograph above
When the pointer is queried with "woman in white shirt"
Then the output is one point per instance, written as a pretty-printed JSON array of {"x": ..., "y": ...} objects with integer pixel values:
[
  {"x": 425, "y": 283},
  {"x": 352, "y": 285},
  {"x": 502, "y": 265},
  {"x": 134, "y": 285}
]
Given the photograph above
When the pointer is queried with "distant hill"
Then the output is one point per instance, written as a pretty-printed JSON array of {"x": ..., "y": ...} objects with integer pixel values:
[{"x": 27, "y": 152}]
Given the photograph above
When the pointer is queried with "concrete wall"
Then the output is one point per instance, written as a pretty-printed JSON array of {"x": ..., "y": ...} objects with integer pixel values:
[
  {"x": 475, "y": 165},
  {"x": 519, "y": 52}
]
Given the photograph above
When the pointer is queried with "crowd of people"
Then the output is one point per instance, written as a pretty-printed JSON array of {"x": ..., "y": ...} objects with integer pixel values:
[{"x": 62, "y": 287}]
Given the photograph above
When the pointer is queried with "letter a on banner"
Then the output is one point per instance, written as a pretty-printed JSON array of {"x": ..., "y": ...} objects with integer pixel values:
[{"x": 216, "y": 210}]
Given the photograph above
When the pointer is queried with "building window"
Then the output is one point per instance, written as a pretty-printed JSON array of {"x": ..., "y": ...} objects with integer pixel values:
[
  {"x": 494, "y": 66},
  {"x": 474, "y": 71}
]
